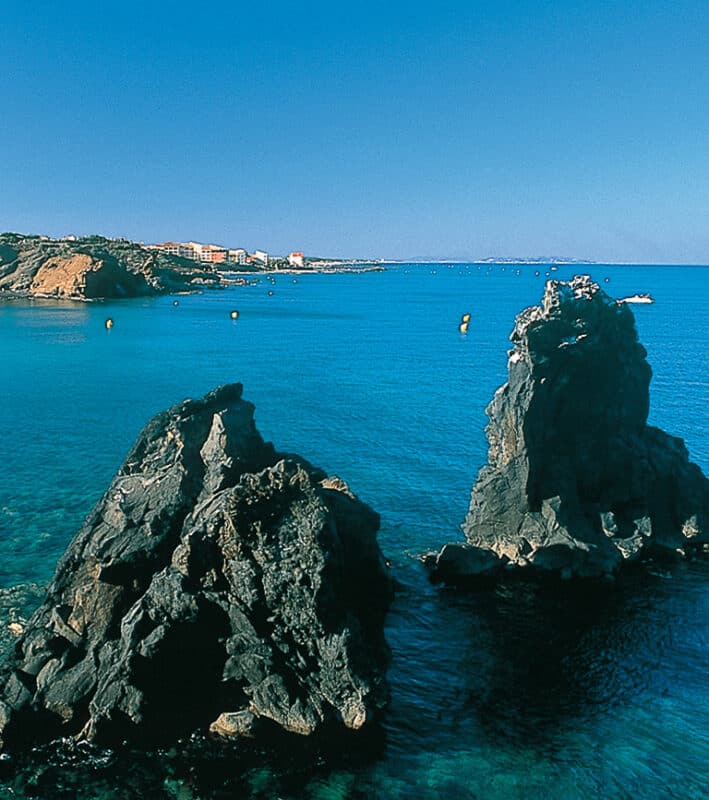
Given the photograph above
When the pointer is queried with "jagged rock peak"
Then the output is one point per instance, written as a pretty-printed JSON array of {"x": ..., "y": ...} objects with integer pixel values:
[
  {"x": 577, "y": 482},
  {"x": 216, "y": 585}
]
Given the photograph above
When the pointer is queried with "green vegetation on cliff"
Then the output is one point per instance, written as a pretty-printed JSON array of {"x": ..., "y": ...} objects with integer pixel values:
[{"x": 94, "y": 267}]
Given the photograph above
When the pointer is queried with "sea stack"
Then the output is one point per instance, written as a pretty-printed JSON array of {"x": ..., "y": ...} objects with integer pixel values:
[
  {"x": 217, "y": 585},
  {"x": 577, "y": 483}
]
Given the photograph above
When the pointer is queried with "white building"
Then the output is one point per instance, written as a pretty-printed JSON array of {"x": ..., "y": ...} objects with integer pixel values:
[
  {"x": 196, "y": 251},
  {"x": 260, "y": 255},
  {"x": 171, "y": 248},
  {"x": 237, "y": 256},
  {"x": 296, "y": 259},
  {"x": 196, "y": 248}
]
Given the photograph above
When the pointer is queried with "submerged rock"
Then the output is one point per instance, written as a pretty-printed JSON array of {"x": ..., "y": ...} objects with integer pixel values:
[
  {"x": 216, "y": 583},
  {"x": 577, "y": 482}
]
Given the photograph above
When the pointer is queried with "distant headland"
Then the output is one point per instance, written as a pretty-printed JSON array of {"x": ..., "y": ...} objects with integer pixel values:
[
  {"x": 495, "y": 260},
  {"x": 97, "y": 267}
]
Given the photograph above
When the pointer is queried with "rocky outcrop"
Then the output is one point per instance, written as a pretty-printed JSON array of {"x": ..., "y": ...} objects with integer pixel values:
[
  {"x": 217, "y": 584},
  {"x": 92, "y": 268},
  {"x": 577, "y": 482}
]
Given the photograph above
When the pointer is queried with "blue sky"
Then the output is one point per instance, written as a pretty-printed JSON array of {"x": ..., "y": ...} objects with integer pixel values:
[{"x": 454, "y": 129}]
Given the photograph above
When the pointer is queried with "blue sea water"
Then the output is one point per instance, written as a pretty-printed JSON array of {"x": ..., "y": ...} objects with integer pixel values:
[{"x": 521, "y": 691}]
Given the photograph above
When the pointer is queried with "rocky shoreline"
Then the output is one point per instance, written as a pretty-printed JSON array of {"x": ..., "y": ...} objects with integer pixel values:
[
  {"x": 97, "y": 268},
  {"x": 93, "y": 268}
]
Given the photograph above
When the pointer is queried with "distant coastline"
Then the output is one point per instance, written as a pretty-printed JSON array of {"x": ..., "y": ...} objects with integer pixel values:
[
  {"x": 494, "y": 260},
  {"x": 96, "y": 267}
]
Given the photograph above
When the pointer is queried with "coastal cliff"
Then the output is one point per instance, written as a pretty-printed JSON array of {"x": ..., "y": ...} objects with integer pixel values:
[
  {"x": 218, "y": 585},
  {"x": 93, "y": 267},
  {"x": 577, "y": 483}
]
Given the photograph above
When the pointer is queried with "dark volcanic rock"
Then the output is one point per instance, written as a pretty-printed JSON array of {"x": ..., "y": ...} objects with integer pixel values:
[
  {"x": 216, "y": 582},
  {"x": 577, "y": 482},
  {"x": 459, "y": 562}
]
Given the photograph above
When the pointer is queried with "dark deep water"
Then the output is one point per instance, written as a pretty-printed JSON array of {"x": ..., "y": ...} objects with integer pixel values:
[{"x": 527, "y": 690}]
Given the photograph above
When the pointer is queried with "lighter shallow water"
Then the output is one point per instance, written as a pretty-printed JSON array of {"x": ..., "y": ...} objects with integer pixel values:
[{"x": 531, "y": 691}]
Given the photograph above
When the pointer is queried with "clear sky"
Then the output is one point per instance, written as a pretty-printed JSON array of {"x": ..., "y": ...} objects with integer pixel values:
[{"x": 447, "y": 129}]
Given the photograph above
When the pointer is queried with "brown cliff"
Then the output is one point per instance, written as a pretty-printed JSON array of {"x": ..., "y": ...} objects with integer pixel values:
[{"x": 93, "y": 267}]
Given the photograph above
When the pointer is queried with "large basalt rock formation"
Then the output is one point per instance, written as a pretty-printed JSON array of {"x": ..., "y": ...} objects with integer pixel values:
[
  {"x": 93, "y": 267},
  {"x": 577, "y": 482},
  {"x": 216, "y": 583}
]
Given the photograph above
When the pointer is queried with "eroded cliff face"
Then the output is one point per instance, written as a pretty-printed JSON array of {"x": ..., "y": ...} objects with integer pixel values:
[
  {"x": 93, "y": 268},
  {"x": 577, "y": 482},
  {"x": 83, "y": 276},
  {"x": 216, "y": 585}
]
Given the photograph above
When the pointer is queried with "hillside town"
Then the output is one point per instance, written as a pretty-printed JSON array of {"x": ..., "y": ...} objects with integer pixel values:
[
  {"x": 215, "y": 254},
  {"x": 221, "y": 259}
]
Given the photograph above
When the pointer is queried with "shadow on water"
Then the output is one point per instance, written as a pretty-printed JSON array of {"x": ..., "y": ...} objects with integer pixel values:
[
  {"x": 520, "y": 664},
  {"x": 553, "y": 651},
  {"x": 521, "y": 679}
]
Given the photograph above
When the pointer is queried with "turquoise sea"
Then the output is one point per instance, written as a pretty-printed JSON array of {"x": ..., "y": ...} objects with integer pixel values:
[{"x": 524, "y": 691}]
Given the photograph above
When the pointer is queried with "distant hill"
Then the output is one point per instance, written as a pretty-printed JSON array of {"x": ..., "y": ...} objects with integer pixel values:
[
  {"x": 94, "y": 267},
  {"x": 499, "y": 260}
]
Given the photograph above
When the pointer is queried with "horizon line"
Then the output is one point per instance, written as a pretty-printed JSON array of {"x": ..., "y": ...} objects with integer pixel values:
[{"x": 505, "y": 260}]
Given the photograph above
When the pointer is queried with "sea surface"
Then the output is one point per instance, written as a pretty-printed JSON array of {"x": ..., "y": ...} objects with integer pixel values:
[{"x": 524, "y": 691}]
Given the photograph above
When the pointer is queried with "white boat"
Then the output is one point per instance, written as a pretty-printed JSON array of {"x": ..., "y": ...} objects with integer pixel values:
[{"x": 637, "y": 298}]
